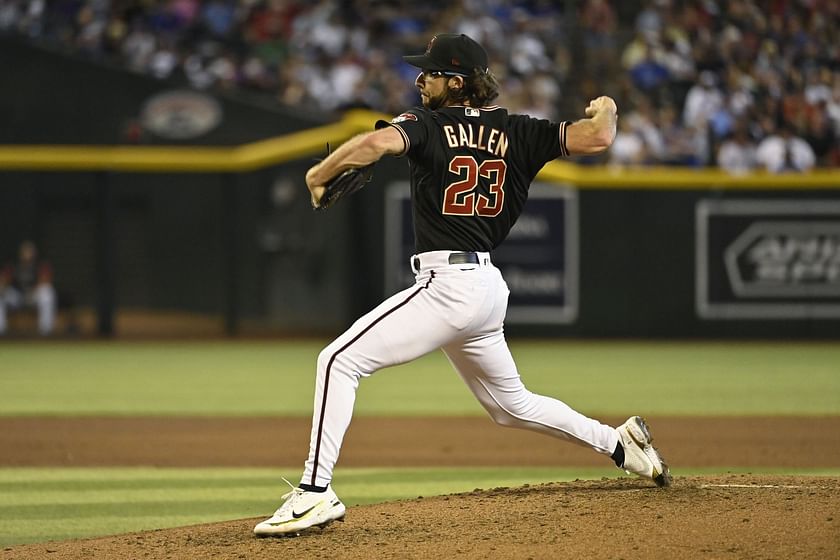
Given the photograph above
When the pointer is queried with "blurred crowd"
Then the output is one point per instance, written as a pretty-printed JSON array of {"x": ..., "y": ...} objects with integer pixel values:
[{"x": 743, "y": 84}]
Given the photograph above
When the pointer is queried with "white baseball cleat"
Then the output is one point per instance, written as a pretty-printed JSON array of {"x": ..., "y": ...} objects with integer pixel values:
[
  {"x": 302, "y": 510},
  {"x": 640, "y": 457}
]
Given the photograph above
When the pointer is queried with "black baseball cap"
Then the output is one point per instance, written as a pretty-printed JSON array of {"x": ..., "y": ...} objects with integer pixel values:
[{"x": 449, "y": 52}]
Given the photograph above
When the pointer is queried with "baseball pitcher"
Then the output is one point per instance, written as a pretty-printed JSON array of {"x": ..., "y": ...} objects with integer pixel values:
[{"x": 471, "y": 164}]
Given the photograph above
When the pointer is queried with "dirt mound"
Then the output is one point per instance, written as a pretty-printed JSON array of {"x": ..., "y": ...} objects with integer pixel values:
[{"x": 735, "y": 516}]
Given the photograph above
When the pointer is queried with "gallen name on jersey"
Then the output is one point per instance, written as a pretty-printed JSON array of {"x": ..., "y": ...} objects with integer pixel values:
[{"x": 495, "y": 141}]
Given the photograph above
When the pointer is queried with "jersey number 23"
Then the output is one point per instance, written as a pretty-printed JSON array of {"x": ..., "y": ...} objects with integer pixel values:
[{"x": 460, "y": 198}]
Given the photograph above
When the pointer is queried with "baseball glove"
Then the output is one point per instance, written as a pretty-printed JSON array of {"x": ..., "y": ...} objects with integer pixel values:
[{"x": 344, "y": 184}]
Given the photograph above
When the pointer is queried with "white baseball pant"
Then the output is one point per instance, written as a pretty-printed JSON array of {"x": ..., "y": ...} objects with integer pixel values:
[
  {"x": 42, "y": 297},
  {"x": 459, "y": 308}
]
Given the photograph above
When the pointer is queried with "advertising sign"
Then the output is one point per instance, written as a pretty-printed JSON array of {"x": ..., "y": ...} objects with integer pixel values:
[
  {"x": 539, "y": 259},
  {"x": 768, "y": 259}
]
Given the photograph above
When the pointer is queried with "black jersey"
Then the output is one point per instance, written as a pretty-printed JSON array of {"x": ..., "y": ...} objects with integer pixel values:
[{"x": 471, "y": 169}]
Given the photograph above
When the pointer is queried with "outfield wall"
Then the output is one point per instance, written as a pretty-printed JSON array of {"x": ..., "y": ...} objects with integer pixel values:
[{"x": 228, "y": 231}]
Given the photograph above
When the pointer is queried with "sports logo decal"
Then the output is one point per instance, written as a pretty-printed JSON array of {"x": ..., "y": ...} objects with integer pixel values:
[
  {"x": 767, "y": 259},
  {"x": 404, "y": 117},
  {"x": 181, "y": 114}
]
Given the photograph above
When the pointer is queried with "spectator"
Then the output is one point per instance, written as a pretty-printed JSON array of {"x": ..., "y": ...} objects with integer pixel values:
[
  {"x": 628, "y": 148},
  {"x": 678, "y": 143},
  {"x": 28, "y": 283},
  {"x": 598, "y": 22},
  {"x": 528, "y": 53},
  {"x": 539, "y": 96},
  {"x": 737, "y": 155},
  {"x": 649, "y": 20},
  {"x": 675, "y": 56},
  {"x": 784, "y": 152},
  {"x": 703, "y": 100},
  {"x": 218, "y": 17},
  {"x": 643, "y": 121},
  {"x": 819, "y": 132},
  {"x": 649, "y": 74},
  {"x": 634, "y": 51}
]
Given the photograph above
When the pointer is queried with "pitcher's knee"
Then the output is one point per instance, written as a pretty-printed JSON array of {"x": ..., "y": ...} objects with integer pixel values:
[
  {"x": 504, "y": 416},
  {"x": 505, "y": 419},
  {"x": 325, "y": 358},
  {"x": 512, "y": 412},
  {"x": 335, "y": 361}
]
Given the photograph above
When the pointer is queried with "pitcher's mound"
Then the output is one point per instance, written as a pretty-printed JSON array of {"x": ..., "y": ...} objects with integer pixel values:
[{"x": 733, "y": 516}]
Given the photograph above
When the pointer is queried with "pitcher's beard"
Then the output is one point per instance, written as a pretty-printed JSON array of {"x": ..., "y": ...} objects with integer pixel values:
[{"x": 437, "y": 102}]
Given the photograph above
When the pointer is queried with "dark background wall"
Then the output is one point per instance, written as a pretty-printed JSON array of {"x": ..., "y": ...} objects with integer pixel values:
[{"x": 171, "y": 234}]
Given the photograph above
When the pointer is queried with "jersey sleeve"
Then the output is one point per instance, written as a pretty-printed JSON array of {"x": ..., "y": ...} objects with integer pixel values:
[
  {"x": 543, "y": 139},
  {"x": 412, "y": 127}
]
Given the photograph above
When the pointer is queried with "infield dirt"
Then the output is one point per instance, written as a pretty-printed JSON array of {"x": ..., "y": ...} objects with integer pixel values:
[{"x": 715, "y": 517}]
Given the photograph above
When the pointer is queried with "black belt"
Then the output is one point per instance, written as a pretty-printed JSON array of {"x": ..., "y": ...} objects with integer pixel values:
[
  {"x": 454, "y": 258},
  {"x": 463, "y": 258}
]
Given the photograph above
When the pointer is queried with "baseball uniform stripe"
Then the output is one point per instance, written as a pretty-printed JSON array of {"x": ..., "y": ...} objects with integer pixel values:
[
  {"x": 382, "y": 124},
  {"x": 564, "y": 151},
  {"x": 405, "y": 139},
  {"x": 335, "y": 355}
]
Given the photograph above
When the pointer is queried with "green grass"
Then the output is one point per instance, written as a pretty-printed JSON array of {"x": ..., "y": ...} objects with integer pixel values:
[
  {"x": 276, "y": 378},
  {"x": 46, "y": 504}
]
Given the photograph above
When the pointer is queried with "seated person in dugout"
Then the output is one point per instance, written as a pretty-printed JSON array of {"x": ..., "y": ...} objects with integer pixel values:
[{"x": 27, "y": 283}]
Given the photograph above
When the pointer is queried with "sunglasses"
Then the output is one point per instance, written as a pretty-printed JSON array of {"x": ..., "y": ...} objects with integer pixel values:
[{"x": 438, "y": 74}]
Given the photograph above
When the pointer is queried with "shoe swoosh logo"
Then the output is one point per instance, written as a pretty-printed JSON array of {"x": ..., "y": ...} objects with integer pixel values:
[{"x": 297, "y": 515}]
